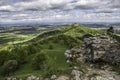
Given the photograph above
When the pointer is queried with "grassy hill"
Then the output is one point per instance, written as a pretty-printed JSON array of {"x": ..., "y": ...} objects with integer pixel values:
[{"x": 52, "y": 43}]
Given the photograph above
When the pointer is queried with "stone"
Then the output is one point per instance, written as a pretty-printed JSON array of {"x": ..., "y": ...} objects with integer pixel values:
[
  {"x": 53, "y": 77},
  {"x": 37, "y": 78},
  {"x": 32, "y": 77},
  {"x": 8, "y": 78},
  {"x": 46, "y": 78},
  {"x": 77, "y": 74},
  {"x": 63, "y": 78},
  {"x": 14, "y": 78}
]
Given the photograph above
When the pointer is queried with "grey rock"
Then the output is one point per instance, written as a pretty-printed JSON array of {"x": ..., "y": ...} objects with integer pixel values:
[
  {"x": 53, "y": 77},
  {"x": 14, "y": 78},
  {"x": 32, "y": 77},
  {"x": 101, "y": 48},
  {"x": 63, "y": 78},
  {"x": 96, "y": 49},
  {"x": 77, "y": 74}
]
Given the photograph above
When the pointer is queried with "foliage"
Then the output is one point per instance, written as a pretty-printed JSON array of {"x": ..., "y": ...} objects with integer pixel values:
[
  {"x": 50, "y": 46},
  {"x": 110, "y": 30},
  {"x": 32, "y": 49},
  {"x": 20, "y": 54},
  {"x": 3, "y": 56},
  {"x": 9, "y": 66},
  {"x": 39, "y": 61}
]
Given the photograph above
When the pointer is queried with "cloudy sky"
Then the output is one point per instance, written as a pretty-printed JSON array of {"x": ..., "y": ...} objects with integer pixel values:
[{"x": 12, "y": 11}]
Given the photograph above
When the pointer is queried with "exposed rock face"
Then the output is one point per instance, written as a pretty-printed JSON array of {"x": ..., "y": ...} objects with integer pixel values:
[
  {"x": 96, "y": 49},
  {"x": 94, "y": 74},
  {"x": 75, "y": 54},
  {"x": 78, "y": 75},
  {"x": 102, "y": 49}
]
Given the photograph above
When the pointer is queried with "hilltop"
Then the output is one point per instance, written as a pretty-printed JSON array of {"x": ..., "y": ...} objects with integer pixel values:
[{"x": 43, "y": 54}]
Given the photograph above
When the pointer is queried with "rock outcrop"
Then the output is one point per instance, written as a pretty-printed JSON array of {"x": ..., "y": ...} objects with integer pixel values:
[
  {"x": 103, "y": 49},
  {"x": 94, "y": 74},
  {"x": 95, "y": 50}
]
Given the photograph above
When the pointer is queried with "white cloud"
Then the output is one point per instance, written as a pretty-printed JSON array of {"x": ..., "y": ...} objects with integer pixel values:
[
  {"x": 22, "y": 5},
  {"x": 81, "y": 10},
  {"x": 7, "y": 8}
]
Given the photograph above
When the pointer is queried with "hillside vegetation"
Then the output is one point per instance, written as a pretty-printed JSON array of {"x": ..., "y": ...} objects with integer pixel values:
[{"x": 43, "y": 55}]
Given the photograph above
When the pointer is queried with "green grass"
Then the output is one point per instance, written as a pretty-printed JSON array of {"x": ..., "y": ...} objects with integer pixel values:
[
  {"x": 11, "y": 38},
  {"x": 56, "y": 59},
  {"x": 79, "y": 31}
]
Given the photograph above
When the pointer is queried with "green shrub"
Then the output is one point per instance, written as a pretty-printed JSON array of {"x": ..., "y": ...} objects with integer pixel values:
[
  {"x": 22, "y": 56},
  {"x": 39, "y": 61},
  {"x": 32, "y": 49},
  {"x": 3, "y": 56},
  {"x": 20, "y": 53},
  {"x": 50, "y": 46},
  {"x": 110, "y": 30},
  {"x": 9, "y": 66},
  {"x": 50, "y": 68}
]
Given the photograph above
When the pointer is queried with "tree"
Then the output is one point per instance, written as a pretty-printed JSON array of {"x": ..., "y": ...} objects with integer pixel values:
[
  {"x": 20, "y": 54},
  {"x": 9, "y": 66},
  {"x": 32, "y": 49},
  {"x": 3, "y": 56},
  {"x": 39, "y": 60},
  {"x": 110, "y": 30}
]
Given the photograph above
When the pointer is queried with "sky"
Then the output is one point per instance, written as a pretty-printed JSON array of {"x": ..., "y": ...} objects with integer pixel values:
[{"x": 15, "y": 11}]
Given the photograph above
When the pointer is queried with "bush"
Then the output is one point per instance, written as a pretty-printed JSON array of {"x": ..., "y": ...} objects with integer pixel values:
[
  {"x": 3, "y": 56},
  {"x": 9, "y": 66},
  {"x": 50, "y": 46},
  {"x": 39, "y": 61},
  {"x": 32, "y": 49},
  {"x": 50, "y": 68},
  {"x": 22, "y": 56},
  {"x": 110, "y": 30},
  {"x": 20, "y": 53}
]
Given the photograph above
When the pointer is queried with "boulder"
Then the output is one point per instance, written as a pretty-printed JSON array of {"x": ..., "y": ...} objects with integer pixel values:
[
  {"x": 32, "y": 77},
  {"x": 77, "y": 75},
  {"x": 63, "y": 78},
  {"x": 53, "y": 77}
]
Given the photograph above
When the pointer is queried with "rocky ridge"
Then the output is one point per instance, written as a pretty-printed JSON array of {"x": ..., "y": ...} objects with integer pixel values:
[{"x": 98, "y": 54}]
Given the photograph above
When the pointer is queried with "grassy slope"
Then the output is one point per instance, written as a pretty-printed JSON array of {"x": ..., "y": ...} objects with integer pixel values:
[
  {"x": 56, "y": 55},
  {"x": 79, "y": 31},
  {"x": 10, "y": 38}
]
